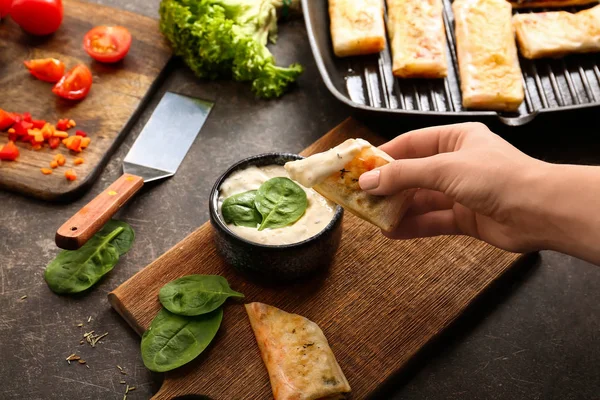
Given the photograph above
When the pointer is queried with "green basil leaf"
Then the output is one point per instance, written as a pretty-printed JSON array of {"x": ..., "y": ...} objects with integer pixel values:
[
  {"x": 239, "y": 209},
  {"x": 78, "y": 270},
  {"x": 124, "y": 241},
  {"x": 281, "y": 202},
  {"x": 196, "y": 294},
  {"x": 173, "y": 340}
]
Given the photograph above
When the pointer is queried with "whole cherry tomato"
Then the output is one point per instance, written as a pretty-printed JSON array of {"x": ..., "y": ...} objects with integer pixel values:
[
  {"x": 5, "y": 7},
  {"x": 38, "y": 17}
]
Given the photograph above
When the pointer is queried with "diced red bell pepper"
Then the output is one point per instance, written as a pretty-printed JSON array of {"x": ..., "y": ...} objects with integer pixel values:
[
  {"x": 80, "y": 133},
  {"x": 62, "y": 124},
  {"x": 54, "y": 142},
  {"x": 21, "y": 127},
  {"x": 9, "y": 152},
  {"x": 38, "y": 123},
  {"x": 75, "y": 144},
  {"x": 27, "y": 117},
  {"x": 6, "y": 120}
]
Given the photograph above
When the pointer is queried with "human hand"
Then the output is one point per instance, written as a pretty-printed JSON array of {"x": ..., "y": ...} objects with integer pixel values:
[{"x": 471, "y": 182}]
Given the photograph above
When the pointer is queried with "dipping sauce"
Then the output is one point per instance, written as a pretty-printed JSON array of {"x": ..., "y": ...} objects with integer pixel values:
[
  {"x": 315, "y": 169},
  {"x": 317, "y": 216}
]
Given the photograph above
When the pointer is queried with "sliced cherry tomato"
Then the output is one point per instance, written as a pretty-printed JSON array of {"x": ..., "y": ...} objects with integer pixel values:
[
  {"x": 5, "y": 7},
  {"x": 75, "y": 85},
  {"x": 107, "y": 44},
  {"x": 9, "y": 152},
  {"x": 38, "y": 17},
  {"x": 46, "y": 69},
  {"x": 6, "y": 120}
]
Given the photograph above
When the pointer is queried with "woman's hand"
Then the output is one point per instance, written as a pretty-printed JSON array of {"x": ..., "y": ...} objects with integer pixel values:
[{"x": 471, "y": 182}]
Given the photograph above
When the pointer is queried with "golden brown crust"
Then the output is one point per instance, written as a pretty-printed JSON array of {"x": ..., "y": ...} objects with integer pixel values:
[
  {"x": 418, "y": 38},
  {"x": 357, "y": 27},
  {"x": 342, "y": 188},
  {"x": 490, "y": 74},
  {"x": 297, "y": 356},
  {"x": 549, "y": 3},
  {"x": 558, "y": 33}
]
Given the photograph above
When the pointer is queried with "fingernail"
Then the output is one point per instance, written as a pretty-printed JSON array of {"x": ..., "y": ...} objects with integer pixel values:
[{"x": 369, "y": 180}]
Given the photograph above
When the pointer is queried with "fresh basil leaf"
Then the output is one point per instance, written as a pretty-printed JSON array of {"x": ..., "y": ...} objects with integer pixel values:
[
  {"x": 124, "y": 241},
  {"x": 173, "y": 340},
  {"x": 196, "y": 294},
  {"x": 281, "y": 202},
  {"x": 239, "y": 209},
  {"x": 74, "y": 271}
]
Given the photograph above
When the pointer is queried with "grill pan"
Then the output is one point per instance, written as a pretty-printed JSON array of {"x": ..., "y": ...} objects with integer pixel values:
[{"x": 366, "y": 83}]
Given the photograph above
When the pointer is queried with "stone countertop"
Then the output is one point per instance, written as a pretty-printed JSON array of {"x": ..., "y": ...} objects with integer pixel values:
[{"x": 534, "y": 335}]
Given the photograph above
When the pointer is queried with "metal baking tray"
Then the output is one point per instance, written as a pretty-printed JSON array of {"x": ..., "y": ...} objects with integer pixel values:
[{"x": 366, "y": 83}]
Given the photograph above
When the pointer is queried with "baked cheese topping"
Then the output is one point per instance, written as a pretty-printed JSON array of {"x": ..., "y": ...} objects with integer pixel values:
[{"x": 315, "y": 169}]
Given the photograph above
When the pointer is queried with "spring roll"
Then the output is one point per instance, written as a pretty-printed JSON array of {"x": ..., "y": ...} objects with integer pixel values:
[
  {"x": 357, "y": 27},
  {"x": 558, "y": 33},
  {"x": 298, "y": 358},
  {"x": 418, "y": 38},
  {"x": 490, "y": 75},
  {"x": 549, "y": 3},
  {"x": 334, "y": 174}
]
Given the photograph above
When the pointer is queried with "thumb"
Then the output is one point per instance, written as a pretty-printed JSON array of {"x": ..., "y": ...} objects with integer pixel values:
[{"x": 424, "y": 173}]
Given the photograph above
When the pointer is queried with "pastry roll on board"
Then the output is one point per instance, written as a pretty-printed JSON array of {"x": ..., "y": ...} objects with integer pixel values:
[
  {"x": 357, "y": 27},
  {"x": 297, "y": 355},
  {"x": 490, "y": 75},
  {"x": 549, "y": 3},
  {"x": 418, "y": 38},
  {"x": 557, "y": 33},
  {"x": 334, "y": 174}
]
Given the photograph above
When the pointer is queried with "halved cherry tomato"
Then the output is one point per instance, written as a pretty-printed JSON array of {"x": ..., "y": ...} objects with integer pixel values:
[
  {"x": 6, "y": 120},
  {"x": 38, "y": 17},
  {"x": 9, "y": 152},
  {"x": 46, "y": 69},
  {"x": 107, "y": 44},
  {"x": 75, "y": 85}
]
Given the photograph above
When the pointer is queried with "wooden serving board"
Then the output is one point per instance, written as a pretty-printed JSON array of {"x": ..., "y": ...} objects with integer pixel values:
[
  {"x": 381, "y": 301},
  {"x": 117, "y": 93}
]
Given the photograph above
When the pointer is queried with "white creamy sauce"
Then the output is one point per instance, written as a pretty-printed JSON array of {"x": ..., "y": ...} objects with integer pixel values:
[
  {"x": 317, "y": 216},
  {"x": 315, "y": 169}
]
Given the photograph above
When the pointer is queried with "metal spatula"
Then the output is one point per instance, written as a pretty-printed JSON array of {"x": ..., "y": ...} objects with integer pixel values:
[{"x": 156, "y": 154}]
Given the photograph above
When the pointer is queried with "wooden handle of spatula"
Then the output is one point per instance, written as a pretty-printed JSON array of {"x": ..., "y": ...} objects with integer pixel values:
[{"x": 91, "y": 218}]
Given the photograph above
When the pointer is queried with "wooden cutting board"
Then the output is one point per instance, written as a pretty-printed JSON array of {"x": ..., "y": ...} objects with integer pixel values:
[
  {"x": 380, "y": 303},
  {"x": 117, "y": 93}
]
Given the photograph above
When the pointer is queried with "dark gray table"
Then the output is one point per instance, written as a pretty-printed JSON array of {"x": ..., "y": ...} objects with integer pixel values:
[{"x": 534, "y": 335}]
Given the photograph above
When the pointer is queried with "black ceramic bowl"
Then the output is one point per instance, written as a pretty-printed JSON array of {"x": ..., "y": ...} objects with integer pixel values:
[{"x": 273, "y": 262}]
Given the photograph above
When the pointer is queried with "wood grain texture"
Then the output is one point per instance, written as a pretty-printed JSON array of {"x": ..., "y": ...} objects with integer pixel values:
[
  {"x": 379, "y": 303},
  {"x": 91, "y": 218},
  {"x": 118, "y": 91}
]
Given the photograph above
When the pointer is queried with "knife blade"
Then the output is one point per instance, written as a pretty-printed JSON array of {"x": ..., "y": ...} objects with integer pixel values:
[{"x": 156, "y": 154}]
